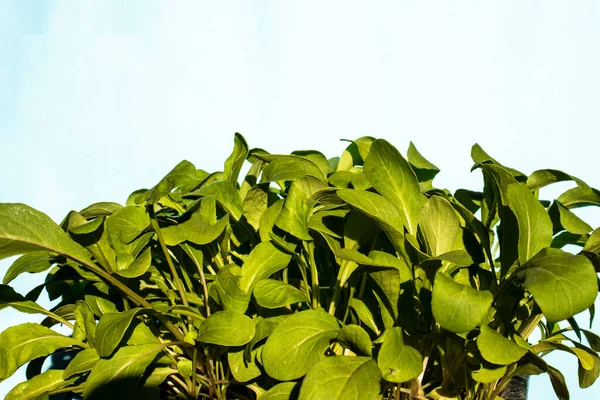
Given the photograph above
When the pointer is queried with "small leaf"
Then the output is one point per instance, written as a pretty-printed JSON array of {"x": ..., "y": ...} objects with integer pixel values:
[
  {"x": 293, "y": 218},
  {"x": 226, "y": 328},
  {"x": 22, "y": 343},
  {"x": 234, "y": 162},
  {"x": 535, "y": 226},
  {"x": 85, "y": 321},
  {"x": 100, "y": 209},
  {"x": 84, "y": 361},
  {"x": 565, "y": 219},
  {"x": 298, "y": 343},
  {"x": 241, "y": 369},
  {"x": 290, "y": 168},
  {"x": 355, "y": 338},
  {"x": 118, "y": 376},
  {"x": 364, "y": 314},
  {"x": 127, "y": 223},
  {"x": 497, "y": 349},
  {"x": 226, "y": 195},
  {"x": 183, "y": 174},
  {"x": 458, "y": 308},
  {"x": 111, "y": 329},
  {"x": 489, "y": 373},
  {"x": 562, "y": 284},
  {"x": 391, "y": 175},
  {"x": 10, "y": 298},
  {"x": 26, "y": 230},
  {"x": 545, "y": 177},
  {"x": 264, "y": 260},
  {"x": 398, "y": 362},
  {"x": 440, "y": 225},
  {"x": 271, "y": 293},
  {"x": 36, "y": 387},
  {"x": 342, "y": 378},
  {"x": 197, "y": 230},
  {"x": 226, "y": 287},
  {"x": 32, "y": 263},
  {"x": 424, "y": 170},
  {"x": 374, "y": 206},
  {"x": 576, "y": 197}
]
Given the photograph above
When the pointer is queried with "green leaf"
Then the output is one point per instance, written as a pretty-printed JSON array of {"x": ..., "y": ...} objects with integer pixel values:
[
  {"x": 576, "y": 197},
  {"x": 264, "y": 260},
  {"x": 267, "y": 220},
  {"x": 101, "y": 209},
  {"x": 440, "y": 225},
  {"x": 545, "y": 177},
  {"x": 38, "y": 386},
  {"x": 197, "y": 230},
  {"x": 234, "y": 162},
  {"x": 489, "y": 373},
  {"x": 398, "y": 362},
  {"x": 458, "y": 308},
  {"x": 535, "y": 226},
  {"x": 282, "y": 391},
  {"x": 116, "y": 377},
  {"x": 255, "y": 204},
  {"x": 84, "y": 361},
  {"x": 158, "y": 375},
  {"x": 183, "y": 174},
  {"x": 355, "y": 153},
  {"x": 127, "y": 223},
  {"x": 375, "y": 206},
  {"x": 226, "y": 328},
  {"x": 298, "y": 343},
  {"x": 241, "y": 369},
  {"x": 290, "y": 168},
  {"x": 22, "y": 343},
  {"x": 226, "y": 287},
  {"x": 26, "y": 230},
  {"x": 355, "y": 338},
  {"x": 497, "y": 349},
  {"x": 424, "y": 170},
  {"x": 587, "y": 377},
  {"x": 562, "y": 284},
  {"x": 226, "y": 194},
  {"x": 316, "y": 157},
  {"x": 10, "y": 298},
  {"x": 85, "y": 322},
  {"x": 342, "y": 378},
  {"x": 32, "y": 263},
  {"x": 565, "y": 219},
  {"x": 111, "y": 329},
  {"x": 271, "y": 293},
  {"x": 364, "y": 314},
  {"x": 293, "y": 218},
  {"x": 391, "y": 175}
]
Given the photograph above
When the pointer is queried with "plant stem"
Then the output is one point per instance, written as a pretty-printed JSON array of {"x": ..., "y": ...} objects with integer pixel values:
[{"x": 309, "y": 247}]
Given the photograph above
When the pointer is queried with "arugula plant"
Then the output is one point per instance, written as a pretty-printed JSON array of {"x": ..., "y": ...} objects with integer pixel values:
[{"x": 313, "y": 278}]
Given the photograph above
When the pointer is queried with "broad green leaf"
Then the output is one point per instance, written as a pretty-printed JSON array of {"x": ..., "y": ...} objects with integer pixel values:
[
  {"x": 32, "y": 263},
  {"x": 397, "y": 361},
  {"x": 234, "y": 162},
  {"x": 98, "y": 298},
  {"x": 158, "y": 375},
  {"x": 116, "y": 377},
  {"x": 576, "y": 197},
  {"x": 111, "y": 329},
  {"x": 290, "y": 168},
  {"x": 440, "y": 225},
  {"x": 535, "y": 226},
  {"x": 39, "y": 385},
  {"x": 271, "y": 293},
  {"x": 562, "y": 284},
  {"x": 587, "y": 377},
  {"x": 264, "y": 260},
  {"x": 293, "y": 218},
  {"x": 84, "y": 361},
  {"x": 389, "y": 281},
  {"x": 565, "y": 219},
  {"x": 282, "y": 391},
  {"x": 310, "y": 185},
  {"x": 127, "y": 223},
  {"x": 138, "y": 267},
  {"x": 391, "y": 175},
  {"x": 364, "y": 314},
  {"x": 264, "y": 327},
  {"x": 101, "y": 209},
  {"x": 226, "y": 194},
  {"x": 341, "y": 179},
  {"x": 183, "y": 174},
  {"x": 197, "y": 230},
  {"x": 424, "y": 170},
  {"x": 316, "y": 157},
  {"x": 355, "y": 153},
  {"x": 26, "y": 230},
  {"x": 458, "y": 308},
  {"x": 545, "y": 177},
  {"x": 342, "y": 378},
  {"x": 226, "y": 328},
  {"x": 355, "y": 338},
  {"x": 85, "y": 322},
  {"x": 585, "y": 358},
  {"x": 22, "y": 343},
  {"x": 593, "y": 243},
  {"x": 226, "y": 287},
  {"x": 244, "y": 370},
  {"x": 497, "y": 349},
  {"x": 267, "y": 220},
  {"x": 375, "y": 206},
  {"x": 255, "y": 204},
  {"x": 489, "y": 373},
  {"x": 10, "y": 298},
  {"x": 298, "y": 343}
]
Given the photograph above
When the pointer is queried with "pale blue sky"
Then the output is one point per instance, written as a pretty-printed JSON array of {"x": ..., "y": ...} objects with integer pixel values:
[{"x": 102, "y": 97}]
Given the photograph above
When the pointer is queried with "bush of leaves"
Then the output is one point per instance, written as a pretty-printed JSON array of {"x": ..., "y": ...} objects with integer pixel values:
[{"x": 308, "y": 278}]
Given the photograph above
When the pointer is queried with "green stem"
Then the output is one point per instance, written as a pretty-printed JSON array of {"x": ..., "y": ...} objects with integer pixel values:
[
  {"x": 309, "y": 247},
  {"x": 163, "y": 246}
]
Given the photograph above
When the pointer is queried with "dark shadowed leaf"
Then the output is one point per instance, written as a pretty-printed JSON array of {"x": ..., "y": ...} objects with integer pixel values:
[
  {"x": 424, "y": 169},
  {"x": 84, "y": 361},
  {"x": 32, "y": 263},
  {"x": 111, "y": 329}
]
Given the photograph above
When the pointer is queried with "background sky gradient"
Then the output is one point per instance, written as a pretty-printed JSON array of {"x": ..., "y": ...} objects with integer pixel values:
[{"x": 99, "y": 98}]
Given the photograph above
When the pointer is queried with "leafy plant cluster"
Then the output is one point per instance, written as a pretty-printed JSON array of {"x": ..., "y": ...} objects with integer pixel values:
[{"x": 313, "y": 278}]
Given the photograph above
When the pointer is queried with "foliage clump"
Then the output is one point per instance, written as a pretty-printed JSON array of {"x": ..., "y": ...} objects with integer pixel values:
[{"x": 313, "y": 278}]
